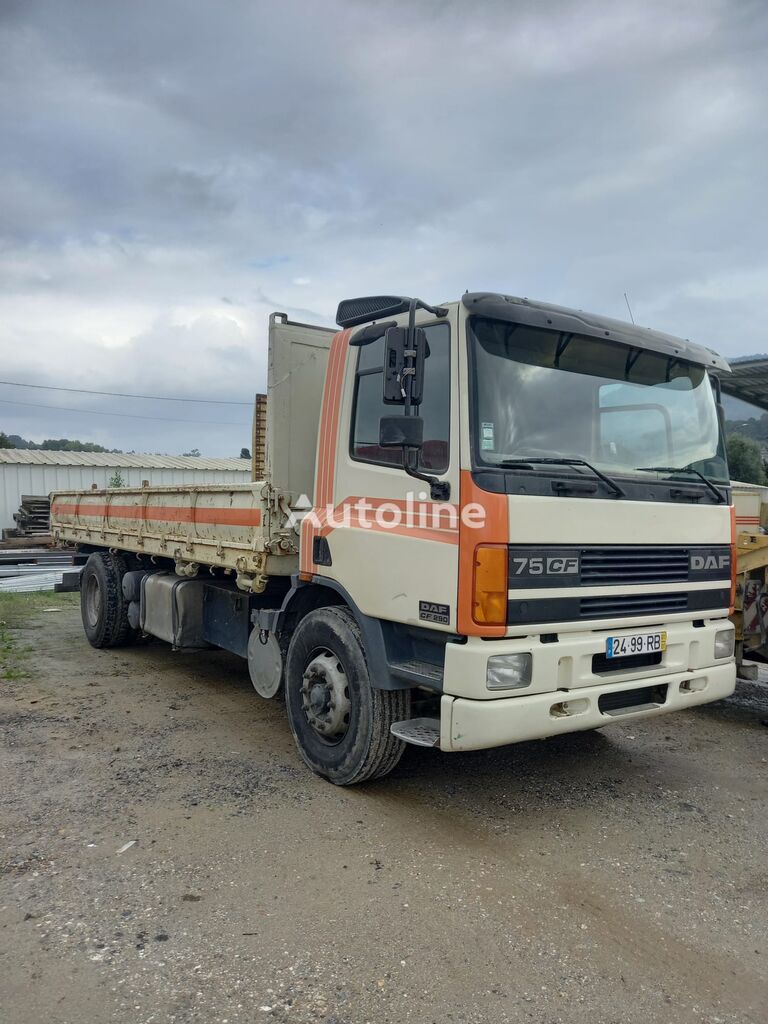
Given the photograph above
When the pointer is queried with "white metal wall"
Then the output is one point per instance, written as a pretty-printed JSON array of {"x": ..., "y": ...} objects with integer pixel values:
[{"x": 17, "y": 479}]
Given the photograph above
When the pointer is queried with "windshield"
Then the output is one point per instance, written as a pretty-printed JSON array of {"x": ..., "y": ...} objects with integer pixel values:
[{"x": 548, "y": 394}]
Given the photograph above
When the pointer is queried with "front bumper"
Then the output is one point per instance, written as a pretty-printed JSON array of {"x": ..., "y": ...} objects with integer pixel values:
[
  {"x": 565, "y": 660},
  {"x": 477, "y": 724}
]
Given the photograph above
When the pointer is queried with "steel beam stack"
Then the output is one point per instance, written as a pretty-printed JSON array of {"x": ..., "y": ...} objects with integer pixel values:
[{"x": 34, "y": 516}]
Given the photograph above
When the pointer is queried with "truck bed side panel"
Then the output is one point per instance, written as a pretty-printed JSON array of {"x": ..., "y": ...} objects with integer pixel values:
[{"x": 225, "y": 526}]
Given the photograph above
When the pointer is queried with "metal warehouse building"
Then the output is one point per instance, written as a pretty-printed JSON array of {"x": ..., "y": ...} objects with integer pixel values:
[
  {"x": 748, "y": 380},
  {"x": 37, "y": 472}
]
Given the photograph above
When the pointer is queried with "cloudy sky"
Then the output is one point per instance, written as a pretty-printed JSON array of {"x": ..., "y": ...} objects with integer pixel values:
[{"x": 171, "y": 171}]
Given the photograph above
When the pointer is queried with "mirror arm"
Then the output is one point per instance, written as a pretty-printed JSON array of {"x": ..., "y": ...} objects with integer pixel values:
[
  {"x": 439, "y": 490},
  {"x": 440, "y": 311},
  {"x": 409, "y": 364}
]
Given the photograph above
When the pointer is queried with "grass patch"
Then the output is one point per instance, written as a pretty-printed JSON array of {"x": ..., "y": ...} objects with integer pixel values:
[
  {"x": 16, "y": 609},
  {"x": 15, "y": 613},
  {"x": 11, "y": 673},
  {"x": 10, "y": 655},
  {"x": 7, "y": 643}
]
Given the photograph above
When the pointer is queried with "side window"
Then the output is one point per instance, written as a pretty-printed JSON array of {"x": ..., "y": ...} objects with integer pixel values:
[{"x": 435, "y": 405}]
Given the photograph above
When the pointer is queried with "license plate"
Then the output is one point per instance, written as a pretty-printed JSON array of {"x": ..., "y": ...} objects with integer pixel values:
[{"x": 635, "y": 643}]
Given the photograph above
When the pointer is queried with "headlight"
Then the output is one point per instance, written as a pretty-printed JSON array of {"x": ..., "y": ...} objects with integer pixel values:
[
  {"x": 724, "y": 642},
  {"x": 509, "y": 671}
]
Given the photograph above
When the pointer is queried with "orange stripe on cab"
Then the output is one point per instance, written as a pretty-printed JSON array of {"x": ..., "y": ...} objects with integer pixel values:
[{"x": 327, "y": 441}]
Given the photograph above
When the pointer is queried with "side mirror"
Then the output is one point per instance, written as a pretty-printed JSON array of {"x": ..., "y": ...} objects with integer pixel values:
[
  {"x": 714, "y": 380},
  {"x": 401, "y": 432},
  {"x": 721, "y": 420},
  {"x": 407, "y": 433},
  {"x": 396, "y": 352}
]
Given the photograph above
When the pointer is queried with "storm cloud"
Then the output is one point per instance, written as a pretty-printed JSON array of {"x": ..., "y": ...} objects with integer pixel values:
[{"x": 171, "y": 172}]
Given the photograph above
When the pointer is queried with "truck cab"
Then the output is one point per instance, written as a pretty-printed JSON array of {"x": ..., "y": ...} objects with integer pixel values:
[{"x": 575, "y": 567}]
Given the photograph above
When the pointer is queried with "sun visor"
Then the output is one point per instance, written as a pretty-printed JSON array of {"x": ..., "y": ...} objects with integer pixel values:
[{"x": 575, "y": 321}]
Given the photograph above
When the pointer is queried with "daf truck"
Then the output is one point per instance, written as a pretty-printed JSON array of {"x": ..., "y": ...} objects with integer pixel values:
[{"x": 480, "y": 523}]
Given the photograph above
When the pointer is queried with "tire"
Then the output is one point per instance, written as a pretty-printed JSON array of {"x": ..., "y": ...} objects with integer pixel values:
[
  {"x": 339, "y": 721},
  {"x": 102, "y": 605}
]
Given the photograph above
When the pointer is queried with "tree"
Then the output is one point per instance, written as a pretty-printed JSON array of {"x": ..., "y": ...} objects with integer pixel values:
[
  {"x": 195, "y": 453},
  {"x": 53, "y": 444},
  {"x": 753, "y": 427},
  {"x": 116, "y": 480},
  {"x": 63, "y": 444},
  {"x": 5, "y": 441},
  {"x": 745, "y": 460},
  {"x": 245, "y": 453}
]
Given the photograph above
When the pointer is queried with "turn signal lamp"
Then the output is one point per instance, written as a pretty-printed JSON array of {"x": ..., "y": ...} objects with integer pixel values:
[{"x": 490, "y": 584}]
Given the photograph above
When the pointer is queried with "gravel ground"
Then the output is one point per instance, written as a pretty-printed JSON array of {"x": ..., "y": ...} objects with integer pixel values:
[{"x": 617, "y": 876}]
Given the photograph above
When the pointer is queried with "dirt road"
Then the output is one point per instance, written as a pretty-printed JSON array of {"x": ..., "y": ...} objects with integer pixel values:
[{"x": 613, "y": 876}]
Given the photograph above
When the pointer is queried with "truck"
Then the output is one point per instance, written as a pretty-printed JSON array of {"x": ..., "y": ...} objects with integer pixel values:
[{"x": 480, "y": 523}]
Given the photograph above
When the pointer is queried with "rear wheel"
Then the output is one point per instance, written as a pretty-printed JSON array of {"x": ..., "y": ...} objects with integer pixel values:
[
  {"x": 341, "y": 723},
  {"x": 102, "y": 605}
]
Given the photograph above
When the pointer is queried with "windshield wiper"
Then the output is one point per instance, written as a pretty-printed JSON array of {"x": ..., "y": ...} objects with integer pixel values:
[
  {"x": 721, "y": 498},
  {"x": 547, "y": 461}
]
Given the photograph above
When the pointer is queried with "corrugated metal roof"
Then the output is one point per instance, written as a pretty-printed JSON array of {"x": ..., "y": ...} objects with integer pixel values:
[
  {"x": 748, "y": 380},
  {"x": 22, "y": 456}
]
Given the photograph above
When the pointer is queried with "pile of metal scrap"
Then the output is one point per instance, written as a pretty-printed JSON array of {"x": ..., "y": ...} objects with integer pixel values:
[{"x": 34, "y": 569}]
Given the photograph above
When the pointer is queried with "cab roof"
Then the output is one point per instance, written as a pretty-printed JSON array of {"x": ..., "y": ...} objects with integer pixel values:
[{"x": 576, "y": 321}]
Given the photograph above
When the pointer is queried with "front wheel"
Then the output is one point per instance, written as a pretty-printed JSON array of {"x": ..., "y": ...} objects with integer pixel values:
[{"x": 341, "y": 724}]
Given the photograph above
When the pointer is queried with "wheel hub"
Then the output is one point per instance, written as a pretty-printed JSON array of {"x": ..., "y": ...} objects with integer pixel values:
[
  {"x": 325, "y": 696},
  {"x": 93, "y": 601}
]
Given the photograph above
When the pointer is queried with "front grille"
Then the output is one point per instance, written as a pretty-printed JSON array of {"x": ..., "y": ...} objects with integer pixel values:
[
  {"x": 623, "y": 565},
  {"x": 632, "y": 604},
  {"x": 634, "y": 565},
  {"x": 608, "y": 702},
  {"x": 615, "y": 604}
]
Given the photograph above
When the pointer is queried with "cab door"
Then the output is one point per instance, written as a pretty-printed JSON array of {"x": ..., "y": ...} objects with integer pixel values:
[{"x": 389, "y": 544}]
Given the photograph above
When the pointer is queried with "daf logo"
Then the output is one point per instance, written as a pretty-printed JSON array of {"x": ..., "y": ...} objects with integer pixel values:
[{"x": 706, "y": 563}]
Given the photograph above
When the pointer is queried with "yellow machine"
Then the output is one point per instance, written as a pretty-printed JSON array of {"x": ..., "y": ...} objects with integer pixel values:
[{"x": 750, "y": 614}]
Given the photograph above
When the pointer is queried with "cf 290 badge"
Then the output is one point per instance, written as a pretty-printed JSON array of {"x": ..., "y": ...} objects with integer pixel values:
[
  {"x": 429, "y": 611},
  {"x": 540, "y": 566}
]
